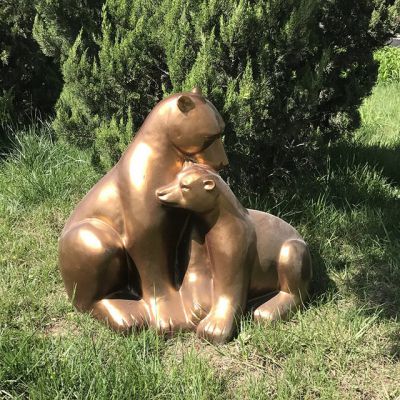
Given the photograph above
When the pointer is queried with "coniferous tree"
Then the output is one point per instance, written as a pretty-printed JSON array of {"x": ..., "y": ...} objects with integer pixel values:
[
  {"x": 106, "y": 96},
  {"x": 285, "y": 75},
  {"x": 58, "y": 23},
  {"x": 30, "y": 82}
]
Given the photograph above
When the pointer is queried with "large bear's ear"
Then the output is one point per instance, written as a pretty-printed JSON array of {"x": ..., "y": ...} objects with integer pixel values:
[
  {"x": 197, "y": 90},
  {"x": 185, "y": 104},
  {"x": 209, "y": 184}
]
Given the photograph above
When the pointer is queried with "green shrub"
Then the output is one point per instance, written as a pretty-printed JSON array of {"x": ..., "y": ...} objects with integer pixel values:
[
  {"x": 29, "y": 81},
  {"x": 285, "y": 75},
  {"x": 389, "y": 64},
  {"x": 96, "y": 107},
  {"x": 58, "y": 23}
]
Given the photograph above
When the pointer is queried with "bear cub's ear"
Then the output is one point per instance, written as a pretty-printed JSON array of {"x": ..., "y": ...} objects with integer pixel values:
[
  {"x": 209, "y": 184},
  {"x": 185, "y": 104}
]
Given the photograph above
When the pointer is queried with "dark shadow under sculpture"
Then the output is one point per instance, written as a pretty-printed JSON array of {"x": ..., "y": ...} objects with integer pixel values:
[{"x": 118, "y": 251}]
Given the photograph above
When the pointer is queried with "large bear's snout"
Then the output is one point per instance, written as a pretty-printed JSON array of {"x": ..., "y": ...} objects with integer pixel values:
[{"x": 214, "y": 155}]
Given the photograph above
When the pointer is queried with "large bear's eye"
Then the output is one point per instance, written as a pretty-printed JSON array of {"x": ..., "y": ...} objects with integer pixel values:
[{"x": 210, "y": 139}]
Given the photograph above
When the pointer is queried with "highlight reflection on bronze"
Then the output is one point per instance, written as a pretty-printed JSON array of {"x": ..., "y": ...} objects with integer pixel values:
[{"x": 164, "y": 242}]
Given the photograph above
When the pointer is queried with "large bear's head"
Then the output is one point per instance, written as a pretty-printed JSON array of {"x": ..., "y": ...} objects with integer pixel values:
[{"x": 194, "y": 127}]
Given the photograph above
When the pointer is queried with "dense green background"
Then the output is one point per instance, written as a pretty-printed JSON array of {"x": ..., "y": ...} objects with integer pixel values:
[{"x": 287, "y": 76}]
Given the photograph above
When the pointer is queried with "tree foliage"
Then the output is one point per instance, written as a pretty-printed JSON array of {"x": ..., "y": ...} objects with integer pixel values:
[
  {"x": 29, "y": 81},
  {"x": 58, "y": 23},
  {"x": 286, "y": 75}
]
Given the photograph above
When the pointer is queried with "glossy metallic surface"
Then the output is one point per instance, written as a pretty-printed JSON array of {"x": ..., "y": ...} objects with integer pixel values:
[
  {"x": 118, "y": 250},
  {"x": 160, "y": 241},
  {"x": 240, "y": 258}
]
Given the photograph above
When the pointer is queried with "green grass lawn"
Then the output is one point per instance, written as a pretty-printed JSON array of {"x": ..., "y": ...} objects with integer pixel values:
[{"x": 344, "y": 345}]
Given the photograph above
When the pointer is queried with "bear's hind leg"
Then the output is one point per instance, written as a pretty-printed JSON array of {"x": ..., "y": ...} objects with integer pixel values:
[
  {"x": 294, "y": 275},
  {"x": 95, "y": 270}
]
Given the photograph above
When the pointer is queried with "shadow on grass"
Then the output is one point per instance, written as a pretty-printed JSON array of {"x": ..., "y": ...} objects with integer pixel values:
[
  {"x": 5, "y": 144},
  {"x": 385, "y": 159},
  {"x": 321, "y": 282},
  {"x": 363, "y": 185},
  {"x": 376, "y": 280},
  {"x": 350, "y": 215}
]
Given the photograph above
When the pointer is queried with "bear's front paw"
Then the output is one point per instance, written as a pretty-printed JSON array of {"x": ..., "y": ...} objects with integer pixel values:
[
  {"x": 216, "y": 330},
  {"x": 168, "y": 315}
]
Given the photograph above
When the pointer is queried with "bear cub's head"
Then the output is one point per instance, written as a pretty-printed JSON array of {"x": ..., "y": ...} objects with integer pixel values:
[{"x": 194, "y": 189}]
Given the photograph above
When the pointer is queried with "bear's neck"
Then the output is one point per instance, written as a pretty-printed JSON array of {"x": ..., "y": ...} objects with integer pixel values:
[
  {"x": 151, "y": 159},
  {"x": 227, "y": 212}
]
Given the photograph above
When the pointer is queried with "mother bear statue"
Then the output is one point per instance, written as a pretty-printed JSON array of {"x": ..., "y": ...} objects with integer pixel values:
[{"x": 121, "y": 248}]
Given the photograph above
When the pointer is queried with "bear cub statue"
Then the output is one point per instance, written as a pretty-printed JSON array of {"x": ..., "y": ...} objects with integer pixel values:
[{"x": 255, "y": 259}]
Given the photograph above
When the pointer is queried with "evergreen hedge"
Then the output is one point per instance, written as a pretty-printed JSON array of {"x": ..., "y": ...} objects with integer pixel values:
[
  {"x": 30, "y": 82},
  {"x": 286, "y": 75},
  {"x": 58, "y": 23}
]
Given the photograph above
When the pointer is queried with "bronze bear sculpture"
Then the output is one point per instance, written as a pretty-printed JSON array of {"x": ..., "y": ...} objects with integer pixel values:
[{"x": 119, "y": 250}]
